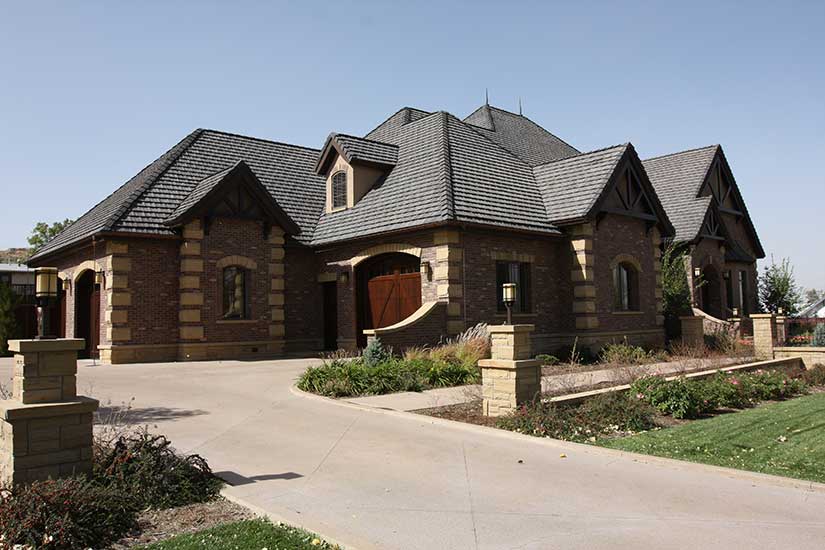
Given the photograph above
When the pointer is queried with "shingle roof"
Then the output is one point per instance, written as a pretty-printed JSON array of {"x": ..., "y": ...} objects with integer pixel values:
[
  {"x": 677, "y": 178},
  {"x": 200, "y": 191},
  {"x": 570, "y": 187},
  {"x": 440, "y": 169},
  {"x": 520, "y": 135},
  {"x": 356, "y": 149}
]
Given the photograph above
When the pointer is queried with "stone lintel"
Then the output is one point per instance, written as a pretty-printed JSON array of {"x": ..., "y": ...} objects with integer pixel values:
[
  {"x": 506, "y": 364},
  {"x": 37, "y": 346}
]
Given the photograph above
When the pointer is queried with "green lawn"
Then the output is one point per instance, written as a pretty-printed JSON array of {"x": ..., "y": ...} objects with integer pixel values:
[
  {"x": 244, "y": 535},
  {"x": 786, "y": 439}
]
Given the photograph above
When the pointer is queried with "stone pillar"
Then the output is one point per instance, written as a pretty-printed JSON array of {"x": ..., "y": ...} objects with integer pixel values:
[
  {"x": 764, "y": 334},
  {"x": 276, "y": 291},
  {"x": 45, "y": 428},
  {"x": 511, "y": 377},
  {"x": 693, "y": 331},
  {"x": 583, "y": 277},
  {"x": 781, "y": 335},
  {"x": 449, "y": 256},
  {"x": 117, "y": 267},
  {"x": 190, "y": 321}
]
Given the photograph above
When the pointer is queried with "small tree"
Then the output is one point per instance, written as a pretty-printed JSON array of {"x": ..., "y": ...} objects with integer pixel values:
[
  {"x": 43, "y": 233},
  {"x": 8, "y": 321},
  {"x": 675, "y": 284},
  {"x": 813, "y": 295},
  {"x": 778, "y": 288}
]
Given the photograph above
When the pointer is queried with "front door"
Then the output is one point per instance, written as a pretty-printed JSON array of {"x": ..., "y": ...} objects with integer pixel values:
[
  {"x": 87, "y": 313},
  {"x": 330, "y": 292}
]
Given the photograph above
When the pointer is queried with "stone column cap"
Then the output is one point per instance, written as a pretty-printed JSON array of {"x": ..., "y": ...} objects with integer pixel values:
[
  {"x": 511, "y": 328},
  {"x": 11, "y": 409},
  {"x": 508, "y": 364},
  {"x": 56, "y": 344},
  {"x": 761, "y": 315}
]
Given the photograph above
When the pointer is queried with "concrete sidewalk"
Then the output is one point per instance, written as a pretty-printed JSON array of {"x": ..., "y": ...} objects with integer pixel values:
[{"x": 383, "y": 479}]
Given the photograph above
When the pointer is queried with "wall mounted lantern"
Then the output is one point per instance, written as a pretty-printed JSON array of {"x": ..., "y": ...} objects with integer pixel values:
[
  {"x": 781, "y": 311},
  {"x": 735, "y": 312},
  {"x": 100, "y": 278},
  {"x": 697, "y": 272},
  {"x": 344, "y": 277},
  {"x": 508, "y": 294},
  {"x": 45, "y": 292},
  {"x": 427, "y": 271}
]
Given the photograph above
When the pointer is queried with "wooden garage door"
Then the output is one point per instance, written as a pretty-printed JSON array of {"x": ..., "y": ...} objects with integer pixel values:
[{"x": 393, "y": 297}]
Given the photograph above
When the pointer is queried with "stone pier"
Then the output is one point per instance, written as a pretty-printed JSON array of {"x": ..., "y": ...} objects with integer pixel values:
[
  {"x": 511, "y": 377},
  {"x": 45, "y": 428}
]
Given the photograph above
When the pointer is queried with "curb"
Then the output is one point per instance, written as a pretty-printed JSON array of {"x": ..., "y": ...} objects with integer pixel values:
[{"x": 767, "y": 479}]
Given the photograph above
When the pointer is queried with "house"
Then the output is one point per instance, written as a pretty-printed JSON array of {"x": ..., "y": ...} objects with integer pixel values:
[
  {"x": 712, "y": 224},
  {"x": 814, "y": 309},
  {"x": 230, "y": 246}
]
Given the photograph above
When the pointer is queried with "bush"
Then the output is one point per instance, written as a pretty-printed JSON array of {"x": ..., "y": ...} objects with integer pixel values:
[
  {"x": 65, "y": 514},
  {"x": 625, "y": 354},
  {"x": 680, "y": 398},
  {"x": 375, "y": 353},
  {"x": 814, "y": 376},
  {"x": 145, "y": 469},
  {"x": 547, "y": 360},
  {"x": 818, "y": 338},
  {"x": 601, "y": 415}
]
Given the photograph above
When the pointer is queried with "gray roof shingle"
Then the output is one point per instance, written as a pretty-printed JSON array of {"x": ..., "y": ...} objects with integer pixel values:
[
  {"x": 677, "y": 178},
  {"x": 520, "y": 135}
]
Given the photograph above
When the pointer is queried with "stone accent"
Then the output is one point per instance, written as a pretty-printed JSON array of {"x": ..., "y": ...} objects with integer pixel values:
[
  {"x": 810, "y": 355},
  {"x": 693, "y": 331},
  {"x": 190, "y": 314},
  {"x": 656, "y": 242},
  {"x": 45, "y": 428},
  {"x": 446, "y": 273},
  {"x": 117, "y": 267},
  {"x": 582, "y": 277},
  {"x": 276, "y": 291},
  {"x": 764, "y": 334},
  {"x": 511, "y": 377}
]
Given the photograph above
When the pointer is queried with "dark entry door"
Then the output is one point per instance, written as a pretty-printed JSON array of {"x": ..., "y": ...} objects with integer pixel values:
[
  {"x": 330, "y": 292},
  {"x": 87, "y": 314},
  {"x": 393, "y": 298}
]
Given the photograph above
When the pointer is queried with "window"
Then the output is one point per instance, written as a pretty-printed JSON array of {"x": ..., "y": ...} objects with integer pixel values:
[
  {"x": 339, "y": 190},
  {"x": 234, "y": 293},
  {"x": 626, "y": 287},
  {"x": 743, "y": 293},
  {"x": 514, "y": 272}
]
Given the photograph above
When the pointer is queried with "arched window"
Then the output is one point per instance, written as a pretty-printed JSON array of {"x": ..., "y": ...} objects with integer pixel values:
[
  {"x": 234, "y": 293},
  {"x": 339, "y": 189},
  {"x": 626, "y": 287}
]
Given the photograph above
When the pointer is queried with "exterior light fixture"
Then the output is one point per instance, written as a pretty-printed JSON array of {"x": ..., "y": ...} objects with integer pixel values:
[
  {"x": 781, "y": 311},
  {"x": 697, "y": 272},
  {"x": 100, "y": 277},
  {"x": 735, "y": 312},
  {"x": 344, "y": 278},
  {"x": 508, "y": 294},
  {"x": 426, "y": 270},
  {"x": 45, "y": 292}
]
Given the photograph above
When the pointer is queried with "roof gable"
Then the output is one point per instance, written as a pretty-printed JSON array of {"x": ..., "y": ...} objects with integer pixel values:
[
  {"x": 236, "y": 192},
  {"x": 356, "y": 150}
]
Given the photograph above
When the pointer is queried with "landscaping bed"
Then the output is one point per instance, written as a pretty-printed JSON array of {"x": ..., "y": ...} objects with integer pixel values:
[{"x": 253, "y": 534}]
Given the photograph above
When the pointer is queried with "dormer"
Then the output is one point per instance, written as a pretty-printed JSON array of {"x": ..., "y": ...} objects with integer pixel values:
[{"x": 352, "y": 166}]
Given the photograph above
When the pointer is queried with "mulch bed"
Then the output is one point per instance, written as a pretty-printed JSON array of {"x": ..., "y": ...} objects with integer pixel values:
[{"x": 158, "y": 525}]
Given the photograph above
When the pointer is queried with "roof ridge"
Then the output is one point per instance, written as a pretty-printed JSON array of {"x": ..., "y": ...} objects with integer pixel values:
[
  {"x": 681, "y": 152},
  {"x": 233, "y": 134},
  {"x": 528, "y": 119},
  {"x": 130, "y": 201},
  {"x": 581, "y": 154},
  {"x": 406, "y": 107},
  {"x": 449, "y": 195},
  {"x": 366, "y": 139}
]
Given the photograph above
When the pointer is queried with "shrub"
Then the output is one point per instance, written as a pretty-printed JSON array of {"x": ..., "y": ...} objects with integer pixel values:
[
  {"x": 623, "y": 353},
  {"x": 680, "y": 398},
  {"x": 65, "y": 514},
  {"x": 145, "y": 468},
  {"x": 814, "y": 376},
  {"x": 818, "y": 338},
  {"x": 375, "y": 353},
  {"x": 601, "y": 415}
]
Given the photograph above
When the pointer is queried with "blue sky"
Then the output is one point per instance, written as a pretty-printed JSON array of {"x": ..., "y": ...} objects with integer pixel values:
[{"x": 90, "y": 92}]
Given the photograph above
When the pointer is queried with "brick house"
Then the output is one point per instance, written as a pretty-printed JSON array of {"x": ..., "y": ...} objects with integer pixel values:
[
  {"x": 229, "y": 246},
  {"x": 702, "y": 200}
]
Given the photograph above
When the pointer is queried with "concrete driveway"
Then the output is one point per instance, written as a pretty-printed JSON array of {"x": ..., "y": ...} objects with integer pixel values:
[{"x": 377, "y": 479}]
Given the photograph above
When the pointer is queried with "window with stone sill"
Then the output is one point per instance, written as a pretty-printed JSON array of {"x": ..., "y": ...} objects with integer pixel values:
[
  {"x": 235, "y": 306},
  {"x": 625, "y": 287},
  {"x": 339, "y": 190}
]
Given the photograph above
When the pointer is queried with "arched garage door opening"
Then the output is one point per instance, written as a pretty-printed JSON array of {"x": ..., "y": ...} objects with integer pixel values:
[
  {"x": 87, "y": 313},
  {"x": 388, "y": 290}
]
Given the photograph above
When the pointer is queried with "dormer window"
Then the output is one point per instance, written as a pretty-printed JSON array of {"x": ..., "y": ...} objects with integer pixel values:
[{"x": 339, "y": 190}]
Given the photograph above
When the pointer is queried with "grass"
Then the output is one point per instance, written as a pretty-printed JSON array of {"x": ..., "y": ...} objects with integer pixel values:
[
  {"x": 785, "y": 438},
  {"x": 244, "y": 535}
]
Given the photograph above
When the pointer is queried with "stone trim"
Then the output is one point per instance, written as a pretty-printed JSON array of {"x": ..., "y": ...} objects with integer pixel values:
[
  {"x": 276, "y": 300},
  {"x": 384, "y": 249},
  {"x": 190, "y": 314},
  {"x": 626, "y": 258},
  {"x": 448, "y": 276},
  {"x": 418, "y": 315},
  {"x": 242, "y": 261},
  {"x": 583, "y": 277}
]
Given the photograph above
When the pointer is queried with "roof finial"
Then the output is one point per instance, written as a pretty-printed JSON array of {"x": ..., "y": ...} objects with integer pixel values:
[
  {"x": 486, "y": 97},
  {"x": 519, "y": 107}
]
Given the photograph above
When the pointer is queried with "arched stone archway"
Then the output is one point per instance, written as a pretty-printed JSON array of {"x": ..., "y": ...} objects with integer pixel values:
[
  {"x": 388, "y": 290},
  {"x": 87, "y": 312}
]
